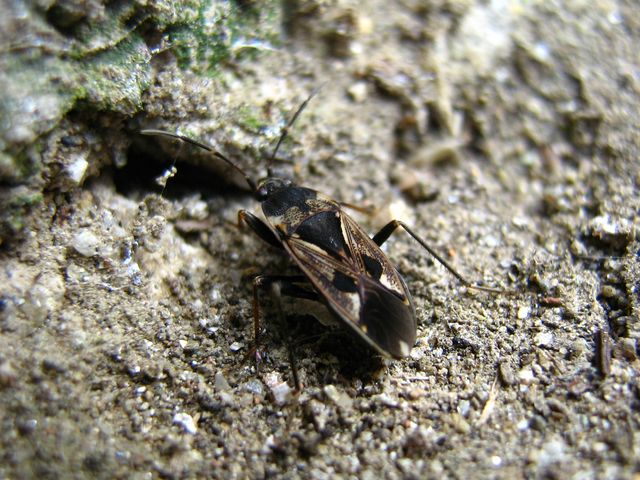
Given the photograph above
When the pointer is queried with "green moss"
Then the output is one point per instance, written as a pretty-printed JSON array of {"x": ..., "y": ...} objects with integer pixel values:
[
  {"x": 11, "y": 170},
  {"x": 223, "y": 31},
  {"x": 248, "y": 118},
  {"x": 115, "y": 79},
  {"x": 27, "y": 200},
  {"x": 99, "y": 60},
  {"x": 113, "y": 27},
  {"x": 16, "y": 208},
  {"x": 105, "y": 65}
]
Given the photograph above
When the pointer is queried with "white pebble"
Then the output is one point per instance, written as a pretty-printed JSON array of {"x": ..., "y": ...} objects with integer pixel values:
[
  {"x": 280, "y": 390},
  {"x": 526, "y": 375},
  {"x": 77, "y": 169},
  {"x": 185, "y": 421},
  {"x": 358, "y": 92},
  {"x": 86, "y": 243},
  {"x": 543, "y": 339},
  {"x": 523, "y": 312}
]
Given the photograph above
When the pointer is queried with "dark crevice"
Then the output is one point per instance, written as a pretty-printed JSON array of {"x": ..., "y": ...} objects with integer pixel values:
[{"x": 146, "y": 162}]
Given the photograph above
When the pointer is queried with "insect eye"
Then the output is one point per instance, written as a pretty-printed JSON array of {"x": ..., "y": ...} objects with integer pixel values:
[{"x": 262, "y": 193}]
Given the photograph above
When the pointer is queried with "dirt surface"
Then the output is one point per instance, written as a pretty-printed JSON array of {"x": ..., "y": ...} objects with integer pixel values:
[{"x": 505, "y": 133}]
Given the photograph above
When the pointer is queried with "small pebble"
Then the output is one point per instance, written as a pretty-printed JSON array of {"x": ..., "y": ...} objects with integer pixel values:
[
  {"x": 341, "y": 399},
  {"x": 221, "y": 383},
  {"x": 526, "y": 375},
  {"x": 226, "y": 398},
  {"x": 358, "y": 92},
  {"x": 460, "y": 424},
  {"x": 86, "y": 243},
  {"x": 543, "y": 339},
  {"x": 8, "y": 375},
  {"x": 77, "y": 168},
  {"x": 254, "y": 386},
  {"x": 28, "y": 426},
  {"x": 605, "y": 225},
  {"x": 279, "y": 389},
  {"x": 628, "y": 348},
  {"x": 552, "y": 452},
  {"x": 387, "y": 401},
  {"x": 506, "y": 374},
  {"x": 416, "y": 393},
  {"x": 523, "y": 312},
  {"x": 185, "y": 421}
]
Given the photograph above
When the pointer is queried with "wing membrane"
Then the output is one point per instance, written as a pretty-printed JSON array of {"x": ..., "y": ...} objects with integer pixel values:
[{"x": 360, "y": 284}]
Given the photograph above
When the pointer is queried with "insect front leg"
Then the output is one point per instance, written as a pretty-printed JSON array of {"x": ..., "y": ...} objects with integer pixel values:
[
  {"x": 259, "y": 227},
  {"x": 386, "y": 231}
]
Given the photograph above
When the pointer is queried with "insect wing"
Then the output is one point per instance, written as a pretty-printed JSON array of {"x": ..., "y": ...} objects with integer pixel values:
[
  {"x": 356, "y": 279},
  {"x": 386, "y": 319},
  {"x": 387, "y": 310}
]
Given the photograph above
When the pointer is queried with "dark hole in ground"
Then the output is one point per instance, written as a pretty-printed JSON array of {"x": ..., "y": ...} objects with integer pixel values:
[{"x": 147, "y": 161}]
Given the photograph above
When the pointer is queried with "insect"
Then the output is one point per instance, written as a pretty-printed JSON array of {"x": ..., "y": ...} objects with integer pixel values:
[{"x": 346, "y": 268}]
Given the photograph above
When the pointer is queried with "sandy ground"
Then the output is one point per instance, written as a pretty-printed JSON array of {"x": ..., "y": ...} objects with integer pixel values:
[{"x": 505, "y": 133}]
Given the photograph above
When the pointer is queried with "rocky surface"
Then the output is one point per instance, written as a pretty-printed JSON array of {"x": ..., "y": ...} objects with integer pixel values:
[{"x": 505, "y": 133}]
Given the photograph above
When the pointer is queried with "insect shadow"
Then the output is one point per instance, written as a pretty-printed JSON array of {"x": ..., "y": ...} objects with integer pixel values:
[{"x": 339, "y": 264}]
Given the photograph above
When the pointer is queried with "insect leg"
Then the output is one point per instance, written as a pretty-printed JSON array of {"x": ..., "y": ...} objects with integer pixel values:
[
  {"x": 259, "y": 227},
  {"x": 386, "y": 231},
  {"x": 280, "y": 284}
]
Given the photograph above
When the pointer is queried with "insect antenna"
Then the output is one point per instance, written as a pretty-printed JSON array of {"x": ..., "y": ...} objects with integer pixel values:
[
  {"x": 164, "y": 133},
  {"x": 285, "y": 131}
]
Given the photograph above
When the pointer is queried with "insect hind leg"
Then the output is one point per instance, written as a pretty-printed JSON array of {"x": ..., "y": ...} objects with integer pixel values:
[
  {"x": 280, "y": 285},
  {"x": 386, "y": 231}
]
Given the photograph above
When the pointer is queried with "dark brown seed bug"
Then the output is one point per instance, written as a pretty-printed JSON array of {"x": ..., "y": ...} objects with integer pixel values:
[{"x": 346, "y": 268}]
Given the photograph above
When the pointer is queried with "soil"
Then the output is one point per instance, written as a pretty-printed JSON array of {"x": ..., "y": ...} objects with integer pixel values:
[{"x": 504, "y": 133}]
